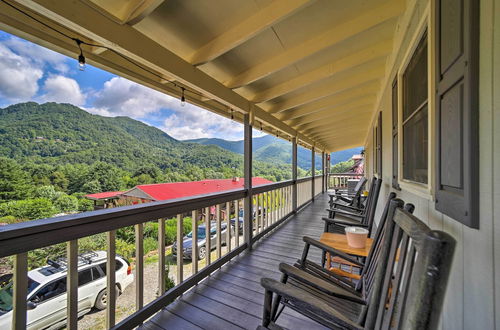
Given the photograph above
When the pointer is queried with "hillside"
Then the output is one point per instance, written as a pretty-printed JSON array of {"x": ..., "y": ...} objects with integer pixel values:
[
  {"x": 272, "y": 149},
  {"x": 57, "y": 134}
]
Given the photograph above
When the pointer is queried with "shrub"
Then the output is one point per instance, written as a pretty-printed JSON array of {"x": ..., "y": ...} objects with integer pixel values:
[
  {"x": 66, "y": 203},
  {"x": 9, "y": 219},
  {"x": 85, "y": 205},
  {"x": 124, "y": 248},
  {"x": 150, "y": 244},
  {"x": 28, "y": 209}
]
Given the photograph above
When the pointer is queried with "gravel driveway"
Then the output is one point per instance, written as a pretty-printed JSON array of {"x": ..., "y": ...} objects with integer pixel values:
[{"x": 125, "y": 304}]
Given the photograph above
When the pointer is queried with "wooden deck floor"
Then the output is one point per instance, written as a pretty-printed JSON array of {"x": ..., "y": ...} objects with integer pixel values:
[{"x": 232, "y": 297}]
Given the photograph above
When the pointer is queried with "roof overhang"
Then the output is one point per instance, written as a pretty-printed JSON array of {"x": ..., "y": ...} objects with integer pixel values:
[{"x": 300, "y": 68}]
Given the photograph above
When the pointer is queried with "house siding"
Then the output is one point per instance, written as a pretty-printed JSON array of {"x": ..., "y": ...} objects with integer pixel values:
[{"x": 473, "y": 295}]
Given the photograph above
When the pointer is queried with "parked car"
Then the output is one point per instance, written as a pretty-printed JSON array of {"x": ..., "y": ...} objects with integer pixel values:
[
  {"x": 47, "y": 290},
  {"x": 187, "y": 241},
  {"x": 240, "y": 219}
]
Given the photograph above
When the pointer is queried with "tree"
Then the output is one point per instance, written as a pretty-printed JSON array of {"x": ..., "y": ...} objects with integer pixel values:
[
  {"x": 14, "y": 182},
  {"x": 66, "y": 203},
  {"x": 29, "y": 209},
  {"x": 342, "y": 167},
  {"x": 108, "y": 176}
]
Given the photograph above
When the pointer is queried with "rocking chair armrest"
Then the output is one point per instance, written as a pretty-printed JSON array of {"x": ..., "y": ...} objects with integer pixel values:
[
  {"x": 332, "y": 251},
  {"x": 344, "y": 223},
  {"x": 349, "y": 207},
  {"x": 303, "y": 300},
  {"x": 347, "y": 213},
  {"x": 320, "y": 284}
]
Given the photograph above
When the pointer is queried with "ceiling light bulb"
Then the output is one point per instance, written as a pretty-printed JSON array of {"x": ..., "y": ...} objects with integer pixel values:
[{"x": 81, "y": 62}]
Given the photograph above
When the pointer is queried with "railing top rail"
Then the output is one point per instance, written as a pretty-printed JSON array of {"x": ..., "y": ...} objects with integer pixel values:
[
  {"x": 307, "y": 178},
  {"x": 346, "y": 174},
  {"x": 30, "y": 235},
  {"x": 271, "y": 186}
]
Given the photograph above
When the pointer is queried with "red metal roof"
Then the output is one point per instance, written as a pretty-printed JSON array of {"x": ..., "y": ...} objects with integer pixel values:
[
  {"x": 164, "y": 191},
  {"x": 104, "y": 195}
]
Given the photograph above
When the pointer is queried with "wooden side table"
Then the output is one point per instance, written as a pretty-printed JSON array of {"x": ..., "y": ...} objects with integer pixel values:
[{"x": 339, "y": 242}]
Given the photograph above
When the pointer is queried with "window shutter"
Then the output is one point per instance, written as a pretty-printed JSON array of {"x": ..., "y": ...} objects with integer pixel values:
[
  {"x": 395, "y": 151},
  {"x": 457, "y": 142},
  {"x": 379, "y": 145}
]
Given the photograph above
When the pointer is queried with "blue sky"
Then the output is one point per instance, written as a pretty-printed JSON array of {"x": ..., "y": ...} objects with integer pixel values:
[{"x": 29, "y": 72}]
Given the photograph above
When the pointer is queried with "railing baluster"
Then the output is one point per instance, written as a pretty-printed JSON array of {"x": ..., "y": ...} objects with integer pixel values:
[
  {"x": 110, "y": 278},
  {"x": 72, "y": 285},
  {"x": 280, "y": 211},
  {"x": 139, "y": 266},
  {"x": 255, "y": 218},
  {"x": 208, "y": 236},
  {"x": 228, "y": 228},
  {"x": 264, "y": 211},
  {"x": 237, "y": 222},
  {"x": 19, "y": 316},
  {"x": 180, "y": 248},
  {"x": 269, "y": 210},
  {"x": 161, "y": 256},
  {"x": 218, "y": 231},
  {"x": 273, "y": 206},
  {"x": 194, "y": 242}
]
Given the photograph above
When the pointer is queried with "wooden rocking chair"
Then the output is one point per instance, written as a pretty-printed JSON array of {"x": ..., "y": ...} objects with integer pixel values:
[
  {"x": 344, "y": 198},
  {"x": 406, "y": 294}
]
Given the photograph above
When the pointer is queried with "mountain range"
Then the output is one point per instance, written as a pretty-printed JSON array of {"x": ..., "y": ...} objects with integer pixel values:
[
  {"x": 269, "y": 148},
  {"x": 56, "y": 134}
]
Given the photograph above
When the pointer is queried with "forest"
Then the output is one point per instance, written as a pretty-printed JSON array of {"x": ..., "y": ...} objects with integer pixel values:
[{"x": 52, "y": 154}]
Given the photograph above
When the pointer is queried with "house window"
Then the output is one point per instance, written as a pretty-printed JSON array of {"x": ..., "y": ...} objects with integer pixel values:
[{"x": 415, "y": 116}]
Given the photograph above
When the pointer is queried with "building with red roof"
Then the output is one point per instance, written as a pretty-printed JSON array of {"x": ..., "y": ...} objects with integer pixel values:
[{"x": 164, "y": 191}]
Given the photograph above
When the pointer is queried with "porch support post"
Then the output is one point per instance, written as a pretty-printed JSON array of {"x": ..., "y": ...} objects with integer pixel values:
[
  {"x": 247, "y": 170},
  {"x": 294, "y": 174},
  {"x": 313, "y": 173},
  {"x": 323, "y": 180}
]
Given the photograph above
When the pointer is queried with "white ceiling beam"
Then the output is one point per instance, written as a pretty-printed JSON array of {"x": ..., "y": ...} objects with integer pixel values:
[
  {"x": 332, "y": 112},
  {"x": 343, "y": 31},
  {"x": 365, "y": 90},
  {"x": 143, "y": 11},
  {"x": 345, "y": 131},
  {"x": 266, "y": 17},
  {"x": 342, "y": 117},
  {"x": 350, "y": 61},
  {"x": 339, "y": 125},
  {"x": 330, "y": 87},
  {"x": 125, "y": 12},
  {"x": 87, "y": 22}
]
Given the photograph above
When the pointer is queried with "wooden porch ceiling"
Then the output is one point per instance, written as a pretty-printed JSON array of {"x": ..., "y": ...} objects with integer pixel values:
[{"x": 309, "y": 69}]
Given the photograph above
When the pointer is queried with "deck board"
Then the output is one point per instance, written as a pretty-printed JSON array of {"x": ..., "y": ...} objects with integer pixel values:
[{"x": 232, "y": 297}]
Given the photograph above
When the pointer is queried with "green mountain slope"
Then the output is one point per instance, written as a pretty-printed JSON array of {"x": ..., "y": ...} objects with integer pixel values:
[
  {"x": 269, "y": 148},
  {"x": 56, "y": 134}
]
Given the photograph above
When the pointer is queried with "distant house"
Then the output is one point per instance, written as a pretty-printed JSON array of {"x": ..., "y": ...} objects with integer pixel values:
[
  {"x": 164, "y": 191},
  {"x": 358, "y": 166}
]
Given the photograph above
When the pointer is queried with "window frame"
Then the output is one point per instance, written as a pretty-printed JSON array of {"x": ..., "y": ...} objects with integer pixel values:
[{"x": 425, "y": 26}]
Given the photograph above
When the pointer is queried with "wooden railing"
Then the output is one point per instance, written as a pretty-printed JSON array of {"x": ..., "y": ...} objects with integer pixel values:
[
  {"x": 339, "y": 180},
  {"x": 318, "y": 182},
  {"x": 272, "y": 204},
  {"x": 304, "y": 191}
]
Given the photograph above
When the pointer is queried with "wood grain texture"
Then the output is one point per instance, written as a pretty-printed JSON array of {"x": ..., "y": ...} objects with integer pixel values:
[{"x": 232, "y": 297}]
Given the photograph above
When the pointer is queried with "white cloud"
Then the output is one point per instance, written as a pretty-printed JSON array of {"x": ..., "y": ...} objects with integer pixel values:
[
  {"x": 22, "y": 65},
  {"x": 18, "y": 76},
  {"x": 62, "y": 90},
  {"x": 122, "y": 97},
  {"x": 38, "y": 55},
  {"x": 191, "y": 122}
]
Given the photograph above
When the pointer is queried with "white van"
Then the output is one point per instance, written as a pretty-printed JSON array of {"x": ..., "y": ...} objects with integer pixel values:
[{"x": 47, "y": 290}]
